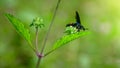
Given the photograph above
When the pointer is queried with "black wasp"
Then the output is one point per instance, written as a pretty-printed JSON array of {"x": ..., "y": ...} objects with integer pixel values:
[{"x": 78, "y": 24}]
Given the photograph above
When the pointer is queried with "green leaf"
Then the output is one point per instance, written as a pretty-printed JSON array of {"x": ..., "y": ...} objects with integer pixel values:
[
  {"x": 68, "y": 38},
  {"x": 20, "y": 28}
]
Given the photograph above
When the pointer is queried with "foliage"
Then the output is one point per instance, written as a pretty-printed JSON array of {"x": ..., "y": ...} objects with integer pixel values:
[
  {"x": 20, "y": 28},
  {"x": 68, "y": 38},
  {"x": 72, "y": 33}
]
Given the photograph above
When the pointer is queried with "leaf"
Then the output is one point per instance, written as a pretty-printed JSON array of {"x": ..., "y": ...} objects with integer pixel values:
[
  {"x": 66, "y": 39},
  {"x": 20, "y": 28}
]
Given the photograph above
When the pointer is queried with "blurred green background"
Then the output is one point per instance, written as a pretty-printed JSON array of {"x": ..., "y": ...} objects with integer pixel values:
[{"x": 100, "y": 49}]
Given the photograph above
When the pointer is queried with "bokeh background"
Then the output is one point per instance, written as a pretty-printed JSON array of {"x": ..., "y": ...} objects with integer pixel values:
[{"x": 100, "y": 49}]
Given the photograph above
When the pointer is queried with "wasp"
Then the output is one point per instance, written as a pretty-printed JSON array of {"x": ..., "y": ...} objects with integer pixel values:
[{"x": 77, "y": 24}]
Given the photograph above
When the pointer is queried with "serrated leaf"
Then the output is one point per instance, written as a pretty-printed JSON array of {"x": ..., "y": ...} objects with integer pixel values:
[
  {"x": 66, "y": 39},
  {"x": 20, "y": 28}
]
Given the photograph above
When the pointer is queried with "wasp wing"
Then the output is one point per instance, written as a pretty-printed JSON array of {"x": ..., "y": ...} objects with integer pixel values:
[{"x": 77, "y": 18}]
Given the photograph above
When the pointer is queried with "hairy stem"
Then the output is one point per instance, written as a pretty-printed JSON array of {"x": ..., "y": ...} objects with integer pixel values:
[
  {"x": 48, "y": 53},
  {"x": 44, "y": 44},
  {"x": 36, "y": 48},
  {"x": 36, "y": 41},
  {"x": 38, "y": 62},
  {"x": 40, "y": 56}
]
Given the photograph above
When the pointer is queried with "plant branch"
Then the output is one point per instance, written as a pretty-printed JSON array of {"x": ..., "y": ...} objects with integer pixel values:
[
  {"x": 36, "y": 41},
  {"x": 48, "y": 53},
  {"x": 44, "y": 44},
  {"x": 36, "y": 48},
  {"x": 46, "y": 37},
  {"x": 38, "y": 62}
]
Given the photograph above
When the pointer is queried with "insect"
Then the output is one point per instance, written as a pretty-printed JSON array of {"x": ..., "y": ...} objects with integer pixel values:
[{"x": 77, "y": 24}]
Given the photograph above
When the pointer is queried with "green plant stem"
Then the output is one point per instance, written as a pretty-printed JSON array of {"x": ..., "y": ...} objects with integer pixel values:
[
  {"x": 36, "y": 41},
  {"x": 38, "y": 62},
  {"x": 46, "y": 37},
  {"x": 44, "y": 44},
  {"x": 48, "y": 53},
  {"x": 36, "y": 49}
]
